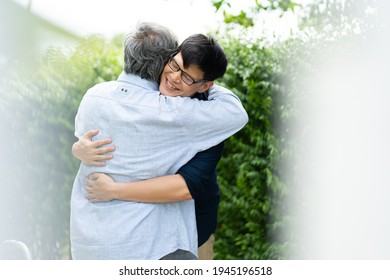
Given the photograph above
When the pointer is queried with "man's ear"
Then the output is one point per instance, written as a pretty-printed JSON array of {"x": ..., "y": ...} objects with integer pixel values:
[{"x": 205, "y": 86}]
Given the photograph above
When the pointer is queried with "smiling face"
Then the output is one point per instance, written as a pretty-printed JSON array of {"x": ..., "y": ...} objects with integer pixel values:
[{"x": 171, "y": 83}]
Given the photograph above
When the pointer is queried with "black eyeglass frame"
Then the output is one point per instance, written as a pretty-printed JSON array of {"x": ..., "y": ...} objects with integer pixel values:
[{"x": 182, "y": 72}]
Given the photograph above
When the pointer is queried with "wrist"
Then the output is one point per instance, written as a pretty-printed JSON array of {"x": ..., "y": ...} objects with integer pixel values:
[{"x": 118, "y": 191}]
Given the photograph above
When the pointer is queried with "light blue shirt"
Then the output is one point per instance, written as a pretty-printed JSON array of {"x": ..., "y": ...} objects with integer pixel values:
[{"x": 154, "y": 135}]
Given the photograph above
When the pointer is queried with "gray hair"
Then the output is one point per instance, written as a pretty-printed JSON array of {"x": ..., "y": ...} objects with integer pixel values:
[{"x": 147, "y": 50}]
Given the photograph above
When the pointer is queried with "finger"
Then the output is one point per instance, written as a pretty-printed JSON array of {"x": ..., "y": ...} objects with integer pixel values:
[
  {"x": 94, "y": 176},
  {"x": 91, "y": 133},
  {"x": 88, "y": 189},
  {"x": 103, "y": 157},
  {"x": 105, "y": 150},
  {"x": 88, "y": 196},
  {"x": 97, "y": 163},
  {"x": 89, "y": 181},
  {"x": 102, "y": 142},
  {"x": 91, "y": 198}
]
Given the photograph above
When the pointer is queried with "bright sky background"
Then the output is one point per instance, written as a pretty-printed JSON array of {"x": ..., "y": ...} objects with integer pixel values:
[{"x": 110, "y": 17}]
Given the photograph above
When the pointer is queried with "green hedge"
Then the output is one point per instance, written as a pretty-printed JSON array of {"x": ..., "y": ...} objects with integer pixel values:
[{"x": 249, "y": 216}]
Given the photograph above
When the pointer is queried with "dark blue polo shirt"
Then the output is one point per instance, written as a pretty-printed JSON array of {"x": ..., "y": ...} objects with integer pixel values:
[{"x": 200, "y": 174}]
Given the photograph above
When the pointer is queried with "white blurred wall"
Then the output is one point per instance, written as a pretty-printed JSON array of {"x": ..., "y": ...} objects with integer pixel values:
[{"x": 342, "y": 202}]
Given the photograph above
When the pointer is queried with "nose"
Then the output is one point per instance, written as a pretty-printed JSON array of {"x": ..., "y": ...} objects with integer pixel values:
[{"x": 175, "y": 76}]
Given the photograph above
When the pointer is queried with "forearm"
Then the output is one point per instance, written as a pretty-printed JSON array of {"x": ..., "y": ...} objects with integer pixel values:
[{"x": 157, "y": 190}]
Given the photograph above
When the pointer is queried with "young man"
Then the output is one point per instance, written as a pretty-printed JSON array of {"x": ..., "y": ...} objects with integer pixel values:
[{"x": 155, "y": 135}]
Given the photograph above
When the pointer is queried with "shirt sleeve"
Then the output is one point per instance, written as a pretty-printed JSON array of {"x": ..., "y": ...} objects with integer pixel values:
[
  {"x": 200, "y": 172},
  {"x": 210, "y": 122}
]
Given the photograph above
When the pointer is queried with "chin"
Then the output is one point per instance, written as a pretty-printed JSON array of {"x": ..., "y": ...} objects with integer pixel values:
[{"x": 167, "y": 91}]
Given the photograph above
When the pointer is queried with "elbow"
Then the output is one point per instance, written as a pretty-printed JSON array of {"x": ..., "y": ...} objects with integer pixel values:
[
  {"x": 245, "y": 118},
  {"x": 185, "y": 195},
  {"x": 182, "y": 192},
  {"x": 240, "y": 115},
  {"x": 242, "y": 119}
]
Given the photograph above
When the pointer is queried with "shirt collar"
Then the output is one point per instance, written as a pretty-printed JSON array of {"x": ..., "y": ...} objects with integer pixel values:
[{"x": 134, "y": 79}]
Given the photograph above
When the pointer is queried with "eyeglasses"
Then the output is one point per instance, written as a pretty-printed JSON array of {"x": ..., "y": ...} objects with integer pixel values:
[{"x": 183, "y": 76}]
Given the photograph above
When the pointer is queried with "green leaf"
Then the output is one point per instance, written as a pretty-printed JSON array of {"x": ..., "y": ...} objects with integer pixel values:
[{"x": 218, "y": 4}]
